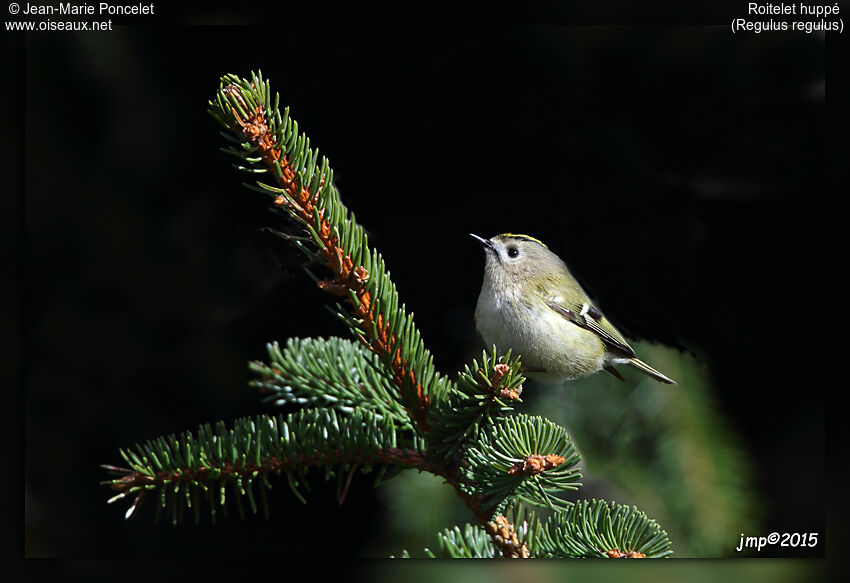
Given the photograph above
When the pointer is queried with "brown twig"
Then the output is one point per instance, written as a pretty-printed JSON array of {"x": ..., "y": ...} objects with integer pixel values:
[
  {"x": 499, "y": 371},
  {"x": 505, "y": 537},
  {"x": 397, "y": 456},
  {"x": 618, "y": 554},
  {"x": 536, "y": 464}
]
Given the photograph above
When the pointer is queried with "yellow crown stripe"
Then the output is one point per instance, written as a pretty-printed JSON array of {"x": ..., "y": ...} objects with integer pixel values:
[{"x": 525, "y": 237}]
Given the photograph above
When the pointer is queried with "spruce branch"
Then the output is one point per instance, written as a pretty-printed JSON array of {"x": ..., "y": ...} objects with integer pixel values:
[
  {"x": 496, "y": 539},
  {"x": 586, "y": 529},
  {"x": 186, "y": 469},
  {"x": 529, "y": 458},
  {"x": 471, "y": 542},
  {"x": 597, "y": 528},
  {"x": 271, "y": 143},
  {"x": 333, "y": 373},
  {"x": 482, "y": 393}
]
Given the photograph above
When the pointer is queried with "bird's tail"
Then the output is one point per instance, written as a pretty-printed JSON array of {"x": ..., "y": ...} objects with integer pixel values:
[{"x": 648, "y": 370}]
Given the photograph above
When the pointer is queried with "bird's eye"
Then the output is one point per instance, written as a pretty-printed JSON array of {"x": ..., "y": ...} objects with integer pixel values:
[{"x": 513, "y": 251}]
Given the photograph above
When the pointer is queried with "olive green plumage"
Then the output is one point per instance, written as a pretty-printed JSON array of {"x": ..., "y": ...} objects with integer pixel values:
[{"x": 530, "y": 303}]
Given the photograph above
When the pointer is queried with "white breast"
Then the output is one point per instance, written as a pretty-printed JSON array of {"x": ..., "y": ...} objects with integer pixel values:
[{"x": 543, "y": 338}]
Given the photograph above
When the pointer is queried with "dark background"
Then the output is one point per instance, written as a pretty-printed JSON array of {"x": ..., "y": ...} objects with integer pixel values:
[{"x": 680, "y": 171}]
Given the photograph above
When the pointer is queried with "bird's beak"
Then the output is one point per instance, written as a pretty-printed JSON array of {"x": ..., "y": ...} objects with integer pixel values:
[{"x": 486, "y": 242}]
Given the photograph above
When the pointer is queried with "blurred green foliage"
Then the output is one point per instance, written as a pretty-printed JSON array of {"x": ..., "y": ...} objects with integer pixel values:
[
  {"x": 418, "y": 506},
  {"x": 743, "y": 571},
  {"x": 667, "y": 450}
]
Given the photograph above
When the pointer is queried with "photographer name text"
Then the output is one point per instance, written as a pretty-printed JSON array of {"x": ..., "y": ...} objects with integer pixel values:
[{"x": 103, "y": 8}]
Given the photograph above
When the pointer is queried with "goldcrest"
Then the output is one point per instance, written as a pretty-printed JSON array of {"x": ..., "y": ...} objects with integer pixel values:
[{"x": 531, "y": 304}]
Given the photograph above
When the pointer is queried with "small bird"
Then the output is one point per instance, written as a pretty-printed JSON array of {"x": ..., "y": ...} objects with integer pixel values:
[{"x": 531, "y": 304}]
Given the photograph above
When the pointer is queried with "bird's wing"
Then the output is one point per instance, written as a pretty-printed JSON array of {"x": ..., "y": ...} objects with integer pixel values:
[{"x": 587, "y": 316}]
